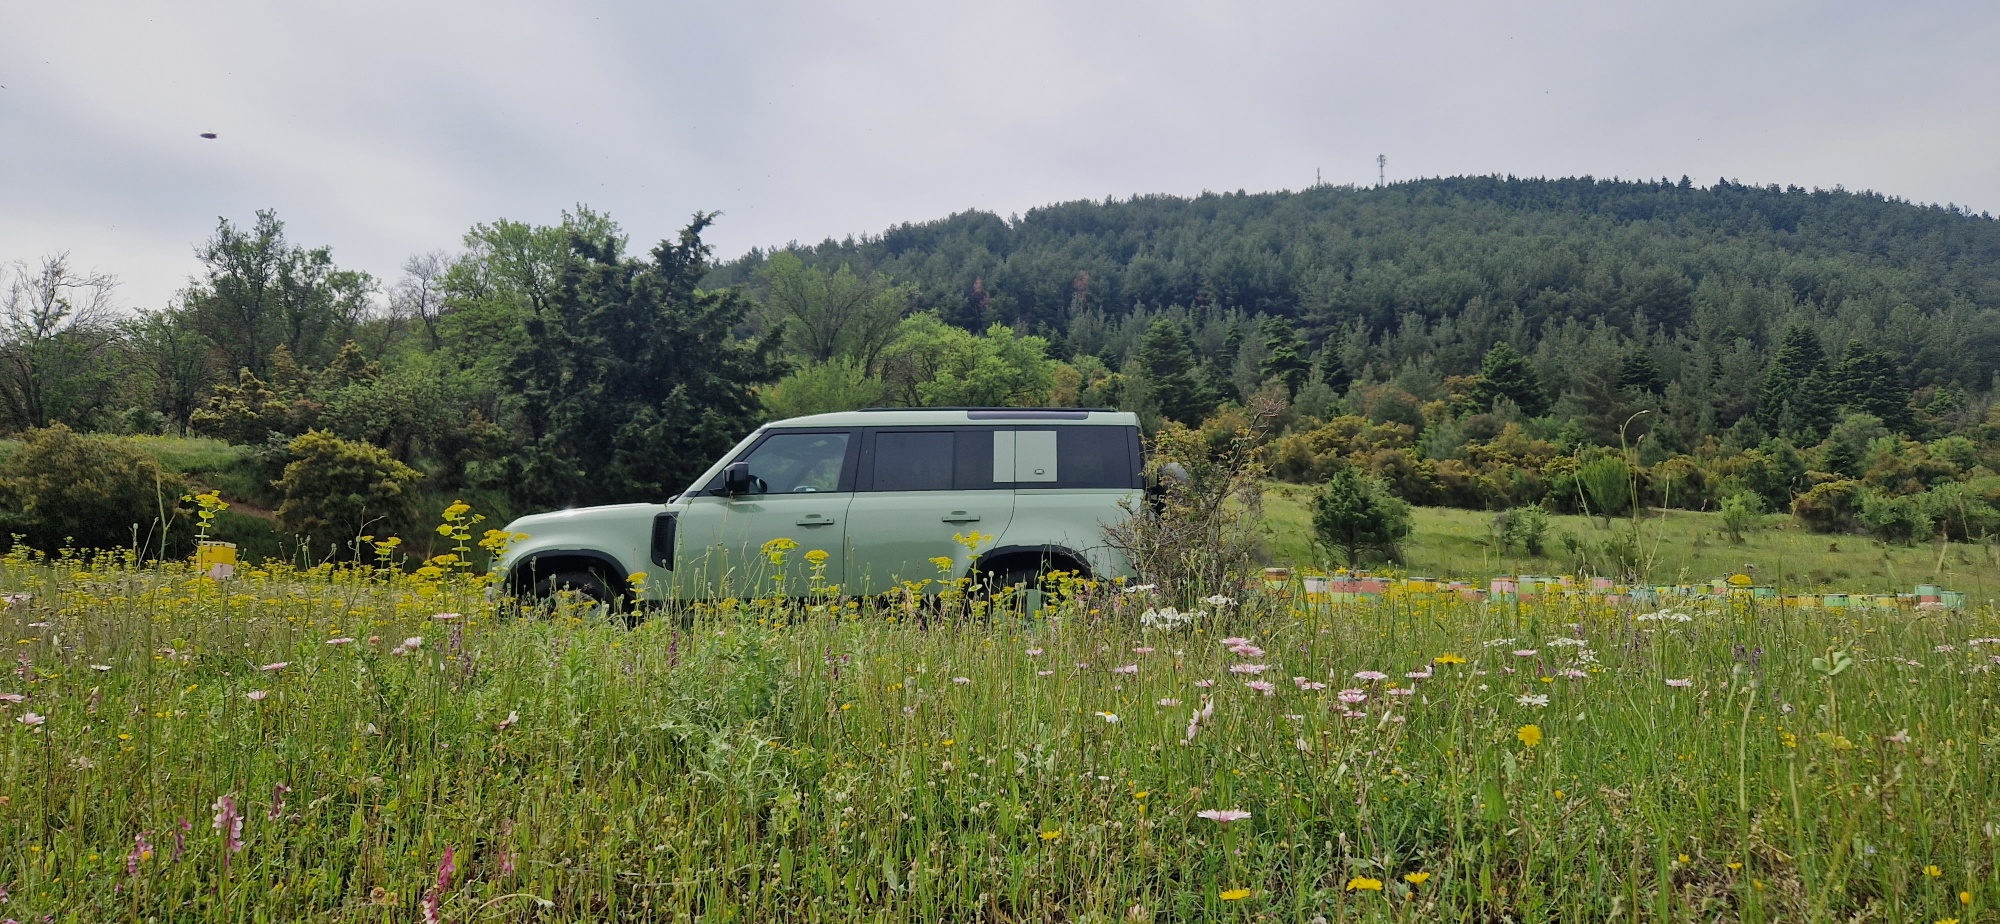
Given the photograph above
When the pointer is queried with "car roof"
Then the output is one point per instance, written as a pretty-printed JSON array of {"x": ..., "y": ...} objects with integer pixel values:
[{"x": 948, "y": 416}]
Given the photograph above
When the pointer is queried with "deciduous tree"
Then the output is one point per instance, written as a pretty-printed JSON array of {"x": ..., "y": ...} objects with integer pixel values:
[{"x": 56, "y": 343}]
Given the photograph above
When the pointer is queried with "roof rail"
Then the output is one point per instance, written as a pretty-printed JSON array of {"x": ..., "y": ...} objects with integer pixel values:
[{"x": 1063, "y": 410}]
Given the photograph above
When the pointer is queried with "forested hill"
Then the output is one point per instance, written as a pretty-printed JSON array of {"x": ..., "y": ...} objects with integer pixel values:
[{"x": 1434, "y": 272}]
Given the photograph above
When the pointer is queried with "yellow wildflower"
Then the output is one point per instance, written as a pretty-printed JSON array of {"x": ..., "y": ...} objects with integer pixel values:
[
  {"x": 1416, "y": 878},
  {"x": 1530, "y": 735},
  {"x": 1234, "y": 895},
  {"x": 1050, "y": 835},
  {"x": 775, "y": 549},
  {"x": 1364, "y": 884},
  {"x": 1448, "y": 658}
]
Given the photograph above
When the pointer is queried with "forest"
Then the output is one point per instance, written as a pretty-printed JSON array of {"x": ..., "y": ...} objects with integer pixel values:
[{"x": 1492, "y": 343}]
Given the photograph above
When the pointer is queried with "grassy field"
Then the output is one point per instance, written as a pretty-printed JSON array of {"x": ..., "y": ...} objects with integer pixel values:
[
  {"x": 370, "y": 746},
  {"x": 1677, "y": 546}
]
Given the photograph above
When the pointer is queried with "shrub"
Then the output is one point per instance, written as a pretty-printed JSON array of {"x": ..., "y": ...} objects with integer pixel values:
[
  {"x": 1828, "y": 507},
  {"x": 1960, "y": 512},
  {"x": 1608, "y": 481},
  {"x": 1740, "y": 512},
  {"x": 335, "y": 490},
  {"x": 1524, "y": 528},
  {"x": 1894, "y": 518},
  {"x": 1200, "y": 529},
  {"x": 95, "y": 491}
]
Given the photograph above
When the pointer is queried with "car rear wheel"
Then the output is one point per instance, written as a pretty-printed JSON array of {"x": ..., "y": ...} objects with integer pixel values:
[{"x": 1014, "y": 585}]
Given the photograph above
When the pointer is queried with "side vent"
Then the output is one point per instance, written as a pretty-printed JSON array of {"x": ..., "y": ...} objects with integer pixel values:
[{"x": 663, "y": 540}]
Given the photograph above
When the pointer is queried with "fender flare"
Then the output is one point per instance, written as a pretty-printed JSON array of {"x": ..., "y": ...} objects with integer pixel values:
[
  {"x": 525, "y": 565},
  {"x": 1045, "y": 551}
]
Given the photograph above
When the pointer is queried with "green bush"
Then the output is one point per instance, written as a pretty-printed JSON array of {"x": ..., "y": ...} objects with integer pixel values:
[
  {"x": 95, "y": 492},
  {"x": 1829, "y": 507},
  {"x": 1740, "y": 513},
  {"x": 1524, "y": 528},
  {"x": 1894, "y": 518},
  {"x": 1608, "y": 481},
  {"x": 335, "y": 490},
  {"x": 1960, "y": 512}
]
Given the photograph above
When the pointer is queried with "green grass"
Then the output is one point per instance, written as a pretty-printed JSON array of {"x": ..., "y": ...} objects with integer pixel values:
[
  {"x": 767, "y": 762},
  {"x": 1679, "y": 547}
]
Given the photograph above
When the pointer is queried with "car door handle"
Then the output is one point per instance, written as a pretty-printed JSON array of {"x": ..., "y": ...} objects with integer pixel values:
[
  {"x": 960, "y": 516},
  {"x": 815, "y": 519}
]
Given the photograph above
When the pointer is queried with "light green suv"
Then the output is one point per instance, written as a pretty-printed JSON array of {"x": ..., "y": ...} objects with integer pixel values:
[{"x": 889, "y": 495}]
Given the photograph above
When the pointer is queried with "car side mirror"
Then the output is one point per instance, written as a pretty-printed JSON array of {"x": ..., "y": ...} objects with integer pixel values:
[{"x": 736, "y": 478}]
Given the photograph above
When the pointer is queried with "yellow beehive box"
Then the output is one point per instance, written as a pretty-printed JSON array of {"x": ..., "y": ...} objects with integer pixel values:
[{"x": 207, "y": 554}]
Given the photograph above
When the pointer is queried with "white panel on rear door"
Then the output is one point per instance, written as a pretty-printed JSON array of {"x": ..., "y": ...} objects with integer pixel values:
[{"x": 1034, "y": 456}]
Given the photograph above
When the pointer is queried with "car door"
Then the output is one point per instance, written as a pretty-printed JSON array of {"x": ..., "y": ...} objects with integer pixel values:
[
  {"x": 919, "y": 488},
  {"x": 801, "y": 484},
  {"x": 1070, "y": 483}
]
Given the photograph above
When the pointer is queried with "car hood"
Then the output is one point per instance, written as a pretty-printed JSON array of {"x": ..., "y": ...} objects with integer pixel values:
[{"x": 560, "y": 519}]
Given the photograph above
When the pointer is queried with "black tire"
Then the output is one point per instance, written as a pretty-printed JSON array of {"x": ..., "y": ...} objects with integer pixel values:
[
  {"x": 587, "y": 584},
  {"x": 1017, "y": 578}
]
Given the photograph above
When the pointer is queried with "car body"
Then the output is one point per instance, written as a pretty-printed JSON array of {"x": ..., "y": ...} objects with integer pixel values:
[{"x": 890, "y": 496}]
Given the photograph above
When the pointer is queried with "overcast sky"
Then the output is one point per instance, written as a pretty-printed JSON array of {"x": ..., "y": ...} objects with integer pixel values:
[{"x": 384, "y": 129}]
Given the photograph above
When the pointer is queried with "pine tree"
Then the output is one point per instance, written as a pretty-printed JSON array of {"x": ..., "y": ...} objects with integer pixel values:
[
  {"x": 1355, "y": 513},
  {"x": 1835, "y": 458},
  {"x": 1331, "y": 370},
  {"x": 632, "y": 380},
  {"x": 1505, "y": 373},
  {"x": 1637, "y": 372},
  {"x": 1866, "y": 380},
  {"x": 1795, "y": 400},
  {"x": 1167, "y": 359},
  {"x": 1282, "y": 359}
]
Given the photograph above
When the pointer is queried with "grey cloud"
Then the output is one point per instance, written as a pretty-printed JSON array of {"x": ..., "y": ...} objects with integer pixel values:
[{"x": 384, "y": 129}]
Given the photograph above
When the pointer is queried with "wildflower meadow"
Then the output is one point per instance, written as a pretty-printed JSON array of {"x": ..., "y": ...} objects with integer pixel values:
[{"x": 360, "y": 743}]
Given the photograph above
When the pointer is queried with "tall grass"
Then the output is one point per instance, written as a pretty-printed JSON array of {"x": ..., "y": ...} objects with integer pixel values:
[{"x": 763, "y": 761}]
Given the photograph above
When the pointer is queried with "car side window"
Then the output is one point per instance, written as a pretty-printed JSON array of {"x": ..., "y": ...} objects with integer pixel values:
[
  {"x": 1095, "y": 457},
  {"x": 913, "y": 460},
  {"x": 797, "y": 463}
]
